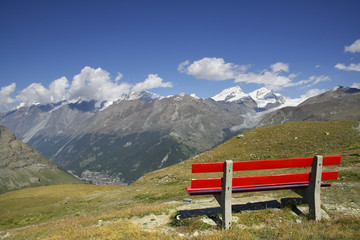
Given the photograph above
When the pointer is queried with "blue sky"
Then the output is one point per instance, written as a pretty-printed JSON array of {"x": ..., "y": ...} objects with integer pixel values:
[{"x": 51, "y": 50}]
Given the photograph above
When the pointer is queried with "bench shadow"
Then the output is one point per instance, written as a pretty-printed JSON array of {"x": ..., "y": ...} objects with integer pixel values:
[{"x": 236, "y": 208}]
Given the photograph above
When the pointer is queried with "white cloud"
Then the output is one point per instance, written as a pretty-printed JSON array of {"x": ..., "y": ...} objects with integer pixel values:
[
  {"x": 353, "y": 48},
  {"x": 280, "y": 66},
  {"x": 271, "y": 80},
  {"x": 5, "y": 96},
  {"x": 89, "y": 84},
  {"x": 317, "y": 66},
  {"x": 313, "y": 80},
  {"x": 37, "y": 93},
  {"x": 152, "y": 81},
  {"x": 118, "y": 77},
  {"x": 351, "y": 67},
  {"x": 34, "y": 93},
  {"x": 276, "y": 77},
  {"x": 312, "y": 93},
  {"x": 57, "y": 89},
  {"x": 211, "y": 69},
  {"x": 95, "y": 84},
  {"x": 182, "y": 66},
  {"x": 356, "y": 85}
]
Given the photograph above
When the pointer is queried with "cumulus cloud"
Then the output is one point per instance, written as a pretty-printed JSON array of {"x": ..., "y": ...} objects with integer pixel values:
[
  {"x": 37, "y": 93},
  {"x": 95, "y": 84},
  {"x": 34, "y": 93},
  {"x": 276, "y": 77},
  {"x": 89, "y": 84},
  {"x": 271, "y": 80},
  {"x": 152, "y": 81},
  {"x": 356, "y": 85},
  {"x": 280, "y": 66},
  {"x": 57, "y": 89},
  {"x": 211, "y": 69},
  {"x": 5, "y": 96},
  {"x": 351, "y": 67},
  {"x": 353, "y": 48}
]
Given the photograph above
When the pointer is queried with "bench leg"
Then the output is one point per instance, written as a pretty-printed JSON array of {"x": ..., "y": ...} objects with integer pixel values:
[
  {"x": 224, "y": 199},
  {"x": 312, "y": 193}
]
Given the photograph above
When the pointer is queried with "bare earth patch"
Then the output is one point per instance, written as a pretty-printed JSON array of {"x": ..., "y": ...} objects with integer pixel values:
[{"x": 205, "y": 206}]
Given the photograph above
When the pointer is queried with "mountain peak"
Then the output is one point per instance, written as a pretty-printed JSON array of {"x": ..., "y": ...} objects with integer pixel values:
[
  {"x": 266, "y": 98},
  {"x": 232, "y": 94},
  {"x": 263, "y": 97},
  {"x": 142, "y": 95}
]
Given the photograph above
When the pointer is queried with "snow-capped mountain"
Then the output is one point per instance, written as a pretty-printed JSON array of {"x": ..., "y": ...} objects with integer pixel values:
[
  {"x": 142, "y": 132},
  {"x": 263, "y": 98},
  {"x": 143, "y": 96},
  {"x": 266, "y": 98},
  {"x": 233, "y": 94}
]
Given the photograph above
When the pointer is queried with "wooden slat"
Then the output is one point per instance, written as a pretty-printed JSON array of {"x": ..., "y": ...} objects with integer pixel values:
[
  {"x": 262, "y": 180},
  {"x": 251, "y": 189},
  {"x": 264, "y": 164}
]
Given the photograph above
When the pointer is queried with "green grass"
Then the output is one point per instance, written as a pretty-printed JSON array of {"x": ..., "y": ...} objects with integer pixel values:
[{"x": 74, "y": 211}]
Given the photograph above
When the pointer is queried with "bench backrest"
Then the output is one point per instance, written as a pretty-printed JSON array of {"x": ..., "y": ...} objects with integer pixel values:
[{"x": 291, "y": 178}]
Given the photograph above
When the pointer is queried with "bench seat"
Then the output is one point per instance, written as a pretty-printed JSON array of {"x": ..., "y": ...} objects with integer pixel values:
[{"x": 251, "y": 188}]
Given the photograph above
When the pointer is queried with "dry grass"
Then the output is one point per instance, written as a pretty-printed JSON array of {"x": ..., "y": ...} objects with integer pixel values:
[{"x": 103, "y": 212}]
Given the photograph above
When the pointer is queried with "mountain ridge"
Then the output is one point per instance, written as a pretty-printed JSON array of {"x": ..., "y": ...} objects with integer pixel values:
[
  {"x": 21, "y": 166},
  {"x": 131, "y": 137},
  {"x": 340, "y": 103}
]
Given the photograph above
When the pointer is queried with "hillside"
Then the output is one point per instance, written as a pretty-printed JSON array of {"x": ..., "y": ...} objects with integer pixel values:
[
  {"x": 147, "y": 208},
  {"x": 119, "y": 144},
  {"x": 339, "y": 104},
  {"x": 21, "y": 166}
]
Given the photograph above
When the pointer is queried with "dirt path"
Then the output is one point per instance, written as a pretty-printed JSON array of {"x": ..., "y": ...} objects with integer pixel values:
[{"x": 208, "y": 206}]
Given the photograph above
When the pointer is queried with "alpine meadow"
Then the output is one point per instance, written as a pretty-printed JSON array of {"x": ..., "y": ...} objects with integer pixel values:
[{"x": 179, "y": 119}]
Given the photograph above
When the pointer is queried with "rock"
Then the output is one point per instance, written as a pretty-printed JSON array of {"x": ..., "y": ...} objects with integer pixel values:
[{"x": 208, "y": 221}]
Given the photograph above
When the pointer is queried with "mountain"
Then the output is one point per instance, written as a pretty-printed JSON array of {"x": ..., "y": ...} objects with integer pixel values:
[
  {"x": 261, "y": 99},
  {"x": 118, "y": 142},
  {"x": 21, "y": 166},
  {"x": 267, "y": 99},
  {"x": 121, "y": 142},
  {"x": 340, "y": 103}
]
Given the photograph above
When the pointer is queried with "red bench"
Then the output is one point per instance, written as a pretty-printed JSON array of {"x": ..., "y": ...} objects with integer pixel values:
[{"x": 306, "y": 184}]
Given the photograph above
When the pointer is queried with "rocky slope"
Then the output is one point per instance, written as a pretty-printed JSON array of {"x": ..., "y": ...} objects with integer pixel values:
[
  {"x": 133, "y": 136},
  {"x": 22, "y": 166},
  {"x": 340, "y": 103}
]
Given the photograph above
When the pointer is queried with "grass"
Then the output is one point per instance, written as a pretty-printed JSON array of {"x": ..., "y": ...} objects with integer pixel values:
[{"x": 84, "y": 211}]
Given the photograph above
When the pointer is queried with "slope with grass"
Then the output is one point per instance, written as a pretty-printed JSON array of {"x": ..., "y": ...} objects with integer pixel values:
[
  {"x": 145, "y": 209},
  {"x": 21, "y": 166},
  {"x": 340, "y": 103}
]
